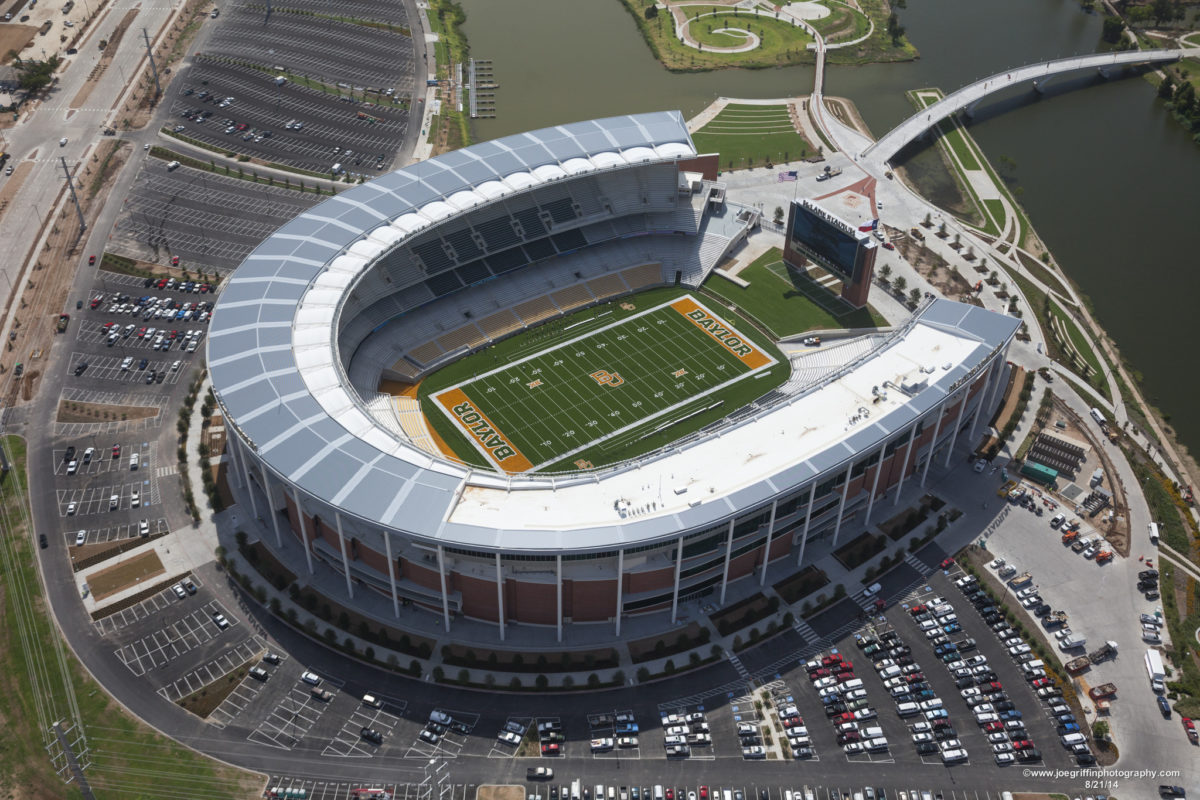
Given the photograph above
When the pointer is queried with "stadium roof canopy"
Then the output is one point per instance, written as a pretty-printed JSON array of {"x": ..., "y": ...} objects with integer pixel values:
[{"x": 273, "y": 360}]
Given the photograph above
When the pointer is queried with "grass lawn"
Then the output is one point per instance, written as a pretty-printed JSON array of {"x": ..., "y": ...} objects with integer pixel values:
[
  {"x": 748, "y": 135},
  {"x": 41, "y": 681},
  {"x": 879, "y": 47},
  {"x": 1078, "y": 341},
  {"x": 601, "y": 385},
  {"x": 125, "y": 574},
  {"x": 780, "y": 43},
  {"x": 995, "y": 210},
  {"x": 787, "y": 303},
  {"x": 843, "y": 24}
]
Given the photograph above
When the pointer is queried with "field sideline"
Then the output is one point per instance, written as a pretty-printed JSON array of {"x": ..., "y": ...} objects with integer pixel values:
[{"x": 602, "y": 389}]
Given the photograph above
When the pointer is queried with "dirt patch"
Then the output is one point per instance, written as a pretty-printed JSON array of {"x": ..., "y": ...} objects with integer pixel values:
[
  {"x": 931, "y": 266},
  {"x": 72, "y": 411},
  {"x": 847, "y": 113},
  {"x": 106, "y": 58},
  {"x": 15, "y": 38},
  {"x": 498, "y": 792},
  {"x": 130, "y": 572},
  {"x": 205, "y": 700},
  {"x": 13, "y": 184}
]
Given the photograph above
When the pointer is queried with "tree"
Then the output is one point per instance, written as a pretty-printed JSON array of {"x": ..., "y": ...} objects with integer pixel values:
[
  {"x": 1113, "y": 28},
  {"x": 1163, "y": 9},
  {"x": 894, "y": 29},
  {"x": 885, "y": 272},
  {"x": 1166, "y": 89},
  {"x": 914, "y": 296},
  {"x": 778, "y": 215},
  {"x": 901, "y": 284}
]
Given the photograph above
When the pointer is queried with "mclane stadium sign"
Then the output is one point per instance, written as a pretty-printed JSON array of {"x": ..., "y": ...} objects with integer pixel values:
[{"x": 837, "y": 222}]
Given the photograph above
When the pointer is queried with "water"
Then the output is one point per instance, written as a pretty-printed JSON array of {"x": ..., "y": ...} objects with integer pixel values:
[{"x": 1106, "y": 176}]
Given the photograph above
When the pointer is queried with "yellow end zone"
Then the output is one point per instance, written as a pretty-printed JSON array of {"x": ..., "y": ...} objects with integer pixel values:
[
  {"x": 495, "y": 446},
  {"x": 719, "y": 330}
]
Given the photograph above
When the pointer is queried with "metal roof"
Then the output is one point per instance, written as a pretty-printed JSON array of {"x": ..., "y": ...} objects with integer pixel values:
[{"x": 274, "y": 365}]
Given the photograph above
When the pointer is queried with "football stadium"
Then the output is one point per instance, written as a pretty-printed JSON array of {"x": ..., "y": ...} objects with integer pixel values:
[{"x": 491, "y": 386}]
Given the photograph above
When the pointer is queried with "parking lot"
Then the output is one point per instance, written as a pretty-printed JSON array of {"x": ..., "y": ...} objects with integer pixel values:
[
  {"x": 136, "y": 614},
  {"x": 331, "y": 124},
  {"x": 175, "y": 639},
  {"x": 209, "y": 221}
]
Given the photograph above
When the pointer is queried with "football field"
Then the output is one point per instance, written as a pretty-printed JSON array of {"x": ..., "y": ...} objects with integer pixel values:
[{"x": 605, "y": 389}]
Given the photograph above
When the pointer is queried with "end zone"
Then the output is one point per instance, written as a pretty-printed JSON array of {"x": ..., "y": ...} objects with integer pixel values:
[{"x": 497, "y": 448}]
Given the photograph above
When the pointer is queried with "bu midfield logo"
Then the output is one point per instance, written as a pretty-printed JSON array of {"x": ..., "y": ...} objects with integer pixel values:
[{"x": 606, "y": 378}]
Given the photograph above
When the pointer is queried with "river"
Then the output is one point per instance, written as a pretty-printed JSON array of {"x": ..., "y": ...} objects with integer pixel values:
[{"x": 1109, "y": 180}]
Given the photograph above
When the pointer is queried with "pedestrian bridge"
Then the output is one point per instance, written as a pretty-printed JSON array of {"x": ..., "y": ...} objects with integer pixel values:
[{"x": 965, "y": 98}]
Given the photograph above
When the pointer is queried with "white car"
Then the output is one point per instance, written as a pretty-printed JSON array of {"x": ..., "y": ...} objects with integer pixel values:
[
  {"x": 73, "y": 467},
  {"x": 1004, "y": 759},
  {"x": 80, "y": 537},
  {"x": 135, "y": 500},
  {"x": 114, "y": 501},
  {"x": 508, "y": 737},
  {"x": 70, "y": 509},
  {"x": 62, "y": 142},
  {"x": 220, "y": 620},
  {"x": 144, "y": 528},
  {"x": 311, "y": 678}
]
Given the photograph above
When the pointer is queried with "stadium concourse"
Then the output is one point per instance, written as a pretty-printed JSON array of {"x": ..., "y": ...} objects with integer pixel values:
[{"x": 390, "y": 282}]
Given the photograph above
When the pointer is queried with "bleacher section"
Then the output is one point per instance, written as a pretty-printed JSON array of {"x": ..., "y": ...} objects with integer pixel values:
[
  {"x": 607, "y": 286},
  {"x": 500, "y": 324},
  {"x": 407, "y": 412},
  {"x": 640, "y": 277},
  {"x": 574, "y": 296},
  {"x": 812, "y": 366}
]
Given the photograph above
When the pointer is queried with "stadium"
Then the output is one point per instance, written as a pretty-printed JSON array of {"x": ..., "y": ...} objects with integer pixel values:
[{"x": 486, "y": 386}]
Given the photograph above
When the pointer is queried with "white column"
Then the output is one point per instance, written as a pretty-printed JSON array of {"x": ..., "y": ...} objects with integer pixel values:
[
  {"x": 387, "y": 549},
  {"x": 912, "y": 441},
  {"x": 875, "y": 484},
  {"x": 337, "y": 518},
  {"x": 983, "y": 393},
  {"x": 962, "y": 408},
  {"x": 933, "y": 442},
  {"x": 271, "y": 506},
  {"x": 1000, "y": 365},
  {"x": 837, "y": 526},
  {"x": 675, "y": 594},
  {"x": 620, "y": 586},
  {"x": 812, "y": 498},
  {"x": 234, "y": 443},
  {"x": 558, "y": 591},
  {"x": 445, "y": 597},
  {"x": 249, "y": 487},
  {"x": 762, "y": 578},
  {"x": 303, "y": 531},
  {"x": 500, "y": 595},
  {"x": 728, "y": 554}
]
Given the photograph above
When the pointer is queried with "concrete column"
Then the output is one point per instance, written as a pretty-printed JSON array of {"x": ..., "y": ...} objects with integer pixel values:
[
  {"x": 875, "y": 484},
  {"x": 912, "y": 440},
  {"x": 962, "y": 408},
  {"x": 812, "y": 498},
  {"x": 728, "y": 554},
  {"x": 837, "y": 527},
  {"x": 983, "y": 393},
  {"x": 303, "y": 531},
  {"x": 933, "y": 442},
  {"x": 558, "y": 591},
  {"x": 500, "y": 596},
  {"x": 249, "y": 487},
  {"x": 678, "y": 567},
  {"x": 337, "y": 517},
  {"x": 762, "y": 578},
  {"x": 441, "y": 558},
  {"x": 234, "y": 442},
  {"x": 620, "y": 586},
  {"x": 1000, "y": 365},
  {"x": 387, "y": 549},
  {"x": 271, "y": 506}
]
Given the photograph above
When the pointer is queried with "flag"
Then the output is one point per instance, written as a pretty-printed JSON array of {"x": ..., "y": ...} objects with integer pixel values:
[
  {"x": 788, "y": 176},
  {"x": 870, "y": 226}
]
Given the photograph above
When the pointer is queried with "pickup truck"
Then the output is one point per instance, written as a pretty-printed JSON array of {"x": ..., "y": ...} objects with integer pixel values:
[
  {"x": 1071, "y": 642},
  {"x": 1081, "y": 544},
  {"x": 1108, "y": 650},
  {"x": 1190, "y": 727},
  {"x": 63, "y": 321},
  {"x": 1102, "y": 691}
]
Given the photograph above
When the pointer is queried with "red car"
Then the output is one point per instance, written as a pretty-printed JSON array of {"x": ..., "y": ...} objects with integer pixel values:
[
  {"x": 1040, "y": 682},
  {"x": 994, "y": 686},
  {"x": 845, "y": 666},
  {"x": 108, "y": 325},
  {"x": 846, "y": 717},
  {"x": 916, "y": 677},
  {"x": 845, "y": 677},
  {"x": 992, "y": 727},
  {"x": 947, "y": 563},
  {"x": 550, "y": 749},
  {"x": 91, "y": 260},
  {"x": 817, "y": 674},
  {"x": 162, "y": 282},
  {"x": 889, "y": 246},
  {"x": 833, "y": 659},
  {"x": 917, "y": 609},
  {"x": 1022, "y": 744},
  {"x": 670, "y": 793},
  {"x": 174, "y": 261},
  {"x": 703, "y": 793},
  {"x": 116, "y": 451}
]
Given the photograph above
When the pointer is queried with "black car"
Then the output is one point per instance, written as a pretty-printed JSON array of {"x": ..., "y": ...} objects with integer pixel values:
[
  {"x": 1164, "y": 706},
  {"x": 460, "y": 727},
  {"x": 1041, "y": 610},
  {"x": 80, "y": 368},
  {"x": 966, "y": 645},
  {"x": 963, "y": 683},
  {"x": 371, "y": 735},
  {"x": 926, "y": 748},
  {"x": 70, "y": 454},
  {"x": 1147, "y": 585},
  {"x": 435, "y": 727},
  {"x": 1030, "y": 755},
  {"x": 1171, "y": 791},
  {"x": 143, "y": 363},
  {"x": 1085, "y": 759},
  {"x": 1148, "y": 573},
  {"x": 985, "y": 677},
  {"x": 1152, "y": 594},
  {"x": 42, "y": 541},
  {"x": 941, "y": 734},
  {"x": 1004, "y": 705}
]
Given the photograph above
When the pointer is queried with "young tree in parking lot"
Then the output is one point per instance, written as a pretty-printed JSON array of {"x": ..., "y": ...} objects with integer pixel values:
[
  {"x": 901, "y": 284},
  {"x": 778, "y": 215},
  {"x": 885, "y": 272},
  {"x": 914, "y": 296}
]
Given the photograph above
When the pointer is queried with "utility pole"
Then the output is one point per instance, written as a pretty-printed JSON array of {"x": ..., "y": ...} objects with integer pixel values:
[
  {"x": 72, "y": 762},
  {"x": 75, "y": 197},
  {"x": 153, "y": 67}
]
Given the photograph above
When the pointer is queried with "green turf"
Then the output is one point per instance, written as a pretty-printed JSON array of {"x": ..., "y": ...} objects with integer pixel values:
[
  {"x": 746, "y": 135},
  {"x": 788, "y": 303},
  {"x": 640, "y": 359},
  {"x": 605, "y": 384}
]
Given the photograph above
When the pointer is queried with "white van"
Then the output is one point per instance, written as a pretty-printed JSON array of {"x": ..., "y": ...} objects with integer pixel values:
[
  {"x": 984, "y": 719},
  {"x": 1072, "y": 739},
  {"x": 336, "y": 169},
  {"x": 658, "y": 792},
  {"x": 1153, "y": 528},
  {"x": 890, "y": 672},
  {"x": 172, "y": 166},
  {"x": 908, "y": 709},
  {"x": 1034, "y": 666},
  {"x": 133, "y": 462},
  {"x": 850, "y": 686},
  {"x": 871, "y": 733}
]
